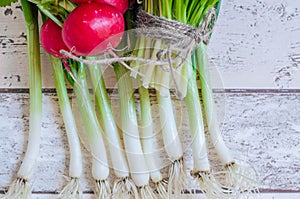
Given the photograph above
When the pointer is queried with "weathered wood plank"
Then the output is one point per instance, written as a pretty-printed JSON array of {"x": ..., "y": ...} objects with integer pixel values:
[
  {"x": 255, "y": 45},
  {"x": 262, "y": 129}
]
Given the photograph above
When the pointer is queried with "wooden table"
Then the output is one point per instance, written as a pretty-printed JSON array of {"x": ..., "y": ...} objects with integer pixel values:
[{"x": 255, "y": 54}]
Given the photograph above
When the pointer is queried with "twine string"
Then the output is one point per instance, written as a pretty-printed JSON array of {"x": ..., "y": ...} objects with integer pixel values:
[
  {"x": 179, "y": 38},
  {"x": 182, "y": 38}
]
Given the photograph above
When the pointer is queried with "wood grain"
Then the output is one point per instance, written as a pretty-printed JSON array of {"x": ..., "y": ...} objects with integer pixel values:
[
  {"x": 255, "y": 45},
  {"x": 255, "y": 59},
  {"x": 262, "y": 129}
]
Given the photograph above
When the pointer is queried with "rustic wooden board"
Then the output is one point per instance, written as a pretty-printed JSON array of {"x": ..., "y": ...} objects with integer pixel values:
[
  {"x": 254, "y": 55},
  {"x": 255, "y": 45},
  {"x": 262, "y": 129}
]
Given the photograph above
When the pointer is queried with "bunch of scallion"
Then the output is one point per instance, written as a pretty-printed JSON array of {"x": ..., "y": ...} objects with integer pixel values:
[
  {"x": 238, "y": 178},
  {"x": 137, "y": 162}
]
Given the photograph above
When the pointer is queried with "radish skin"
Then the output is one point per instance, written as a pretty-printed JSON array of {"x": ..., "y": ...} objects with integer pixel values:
[{"x": 101, "y": 27}]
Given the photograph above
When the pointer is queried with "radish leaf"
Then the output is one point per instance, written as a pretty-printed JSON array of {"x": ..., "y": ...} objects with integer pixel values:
[{"x": 4, "y": 3}]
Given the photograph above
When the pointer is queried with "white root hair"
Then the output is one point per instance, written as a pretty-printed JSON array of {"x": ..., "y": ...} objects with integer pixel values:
[
  {"x": 239, "y": 182},
  {"x": 72, "y": 190},
  {"x": 146, "y": 192},
  {"x": 124, "y": 188},
  {"x": 210, "y": 187},
  {"x": 18, "y": 189},
  {"x": 242, "y": 177},
  {"x": 177, "y": 178},
  {"x": 161, "y": 189},
  {"x": 102, "y": 189}
]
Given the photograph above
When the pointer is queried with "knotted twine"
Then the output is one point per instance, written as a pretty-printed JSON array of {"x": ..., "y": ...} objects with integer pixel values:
[
  {"x": 180, "y": 38},
  {"x": 175, "y": 32}
]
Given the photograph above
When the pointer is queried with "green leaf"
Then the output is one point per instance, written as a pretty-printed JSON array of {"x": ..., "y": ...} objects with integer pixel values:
[{"x": 4, "y": 3}]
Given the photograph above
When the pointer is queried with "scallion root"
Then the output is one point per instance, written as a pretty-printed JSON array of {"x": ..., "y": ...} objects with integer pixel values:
[
  {"x": 242, "y": 178},
  {"x": 161, "y": 189},
  {"x": 210, "y": 187},
  {"x": 177, "y": 178},
  {"x": 102, "y": 189},
  {"x": 146, "y": 192},
  {"x": 18, "y": 189},
  {"x": 124, "y": 188},
  {"x": 71, "y": 190}
]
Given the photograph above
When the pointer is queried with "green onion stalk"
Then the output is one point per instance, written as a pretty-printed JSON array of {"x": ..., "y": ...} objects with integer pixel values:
[
  {"x": 147, "y": 130},
  {"x": 73, "y": 188},
  {"x": 136, "y": 159},
  {"x": 240, "y": 177},
  {"x": 158, "y": 78},
  {"x": 93, "y": 131},
  {"x": 172, "y": 145},
  {"x": 56, "y": 10},
  {"x": 123, "y": 185},
  {"x": 184, "y": 79},
  {"x": 202, "y": 170},
  {"x": 187, "y": 12},
  {"x": 20, "y": 187},
  {"x": 149, "y": 148}
]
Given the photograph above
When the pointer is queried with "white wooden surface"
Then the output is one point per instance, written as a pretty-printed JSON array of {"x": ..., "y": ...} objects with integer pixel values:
[{"x": 256, "y": 50}]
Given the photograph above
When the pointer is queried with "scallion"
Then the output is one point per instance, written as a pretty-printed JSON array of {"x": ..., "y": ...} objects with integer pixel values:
[{"x": 20, "y": 187}]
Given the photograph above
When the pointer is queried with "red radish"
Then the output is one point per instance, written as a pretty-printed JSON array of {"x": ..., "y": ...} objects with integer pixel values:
[
  {"x": 81, "y": 1},
  {"x": 90, "y": 28},
  {"x": 121, "y": 5},
  {"x": 51, "y": 38}
]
